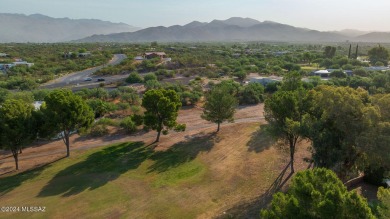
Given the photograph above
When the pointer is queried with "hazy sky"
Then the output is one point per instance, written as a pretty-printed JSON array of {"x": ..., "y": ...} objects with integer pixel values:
[{"x": 313, "y": 14}]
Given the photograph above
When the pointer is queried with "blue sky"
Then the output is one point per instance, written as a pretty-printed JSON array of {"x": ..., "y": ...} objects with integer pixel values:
[{"x": 313, "y": 14}]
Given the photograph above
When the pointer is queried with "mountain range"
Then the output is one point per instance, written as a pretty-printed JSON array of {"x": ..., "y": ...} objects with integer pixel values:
[
  {"x": 38, "y": 28},
  {"x": 238, "y": 29}
]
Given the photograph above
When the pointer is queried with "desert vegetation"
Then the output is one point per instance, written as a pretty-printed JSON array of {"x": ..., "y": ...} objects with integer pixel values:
[{"x": 236, "y": 146}]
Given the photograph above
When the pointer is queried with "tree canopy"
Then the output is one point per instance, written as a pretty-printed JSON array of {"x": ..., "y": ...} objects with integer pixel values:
[
  {"x": 317, "y": 193},
  {"x": 220, "y": 105},
  {"x": 383, "y": 208},
  {"x": 16, "y": 126},
  {"x": 162, "y": 108},
  {"x": 329, "y": 52},
  {"x": 378, "y": 54},
  {"x": 284, "y": 111},
  {"x": 338, "y": 117},
  {"x": 65, "y": 112}
]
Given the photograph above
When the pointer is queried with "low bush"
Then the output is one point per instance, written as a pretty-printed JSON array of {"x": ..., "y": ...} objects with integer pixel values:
[
  {"x": 128, "y": 125},
  {"x": 98, "y": 130}
]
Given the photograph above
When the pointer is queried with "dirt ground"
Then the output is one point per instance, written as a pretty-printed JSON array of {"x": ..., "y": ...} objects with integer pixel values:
[
  {"x": 244, "y": 167},
  {"x": 43, "y": 152}
]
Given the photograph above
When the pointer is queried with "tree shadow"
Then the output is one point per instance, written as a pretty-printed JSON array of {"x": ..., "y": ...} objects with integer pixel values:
[
  {"x": 261, "y": 140},
  {"x": 367, "y": 190},
  {"x": 114, "y": 136},
  {"x": 251, "y": 209},
  {"x": 182, "y": 152},
  {"x": 97, "y": 170},
  {"x": 10, "y": 183}
]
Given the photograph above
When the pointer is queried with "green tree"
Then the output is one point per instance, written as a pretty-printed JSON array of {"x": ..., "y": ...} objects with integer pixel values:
[
  {"x": 220, "y": 105},
  {"x": 241, "y": 75},
  {"x": 162, "y": 108},
  {"x": 360, "y": 72},
  {"x": 383, "y": 207},
  {"x": 329, "y": 52},
  {"x": 375, "y": 140},
  {"x": 337, "y": 119},
  {"x": 308, "y": 57},
  {"x": 98, "y": 106},
  {"x": 3, "y": 94},
  {"x": 251, "y": 94},
  {"x": 284, "y": 111},
  {"x": 16, "y": 126},
  {"x": 317, "y": 193},
  {"x": 131, "y": 98},
  {"x": 292, "y": 81},
  {"x": 65, "y": 112},
  {"x": 338, "y": 74},
  {"x": 24, "y": 96},
  {"x": 378, "y": 54}
]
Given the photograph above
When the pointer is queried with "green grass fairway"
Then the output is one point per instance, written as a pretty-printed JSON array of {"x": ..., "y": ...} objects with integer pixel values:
[{"x": 196, "y": 178}]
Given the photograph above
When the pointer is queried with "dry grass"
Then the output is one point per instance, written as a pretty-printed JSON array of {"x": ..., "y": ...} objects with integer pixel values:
[{"x": 201, "y": 176}]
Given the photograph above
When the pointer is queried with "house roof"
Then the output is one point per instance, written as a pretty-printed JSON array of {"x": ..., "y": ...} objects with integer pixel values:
[
  {"x": 322, "y": 72},
  {"x": 157, "y": 53}
]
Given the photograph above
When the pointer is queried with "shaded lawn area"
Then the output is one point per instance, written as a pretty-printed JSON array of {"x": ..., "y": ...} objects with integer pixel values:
[
  {"x": 200, "y": 177},
  {"x": 104, "y": 179},
  {"x": 98, "y": 169}
]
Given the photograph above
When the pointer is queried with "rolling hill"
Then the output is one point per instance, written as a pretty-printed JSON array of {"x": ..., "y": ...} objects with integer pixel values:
[{"x": 375, "y": 37}]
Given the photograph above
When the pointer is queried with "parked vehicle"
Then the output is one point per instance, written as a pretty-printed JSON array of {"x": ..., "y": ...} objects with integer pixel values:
[
  {"x": 101, "y": 79},
  {"x": 88, "y": 79}
]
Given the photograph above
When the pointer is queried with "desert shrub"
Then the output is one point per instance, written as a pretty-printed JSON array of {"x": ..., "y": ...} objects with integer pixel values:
[
  {"x": 133, "y": 78},
  {"x": 136, "y": 109},
  {"x": 107, "y": 122},
  {"x": 150, "y": 77},
  {"x": 98, "y": 130},
  {"x": 113, "y": 94},
  {"x": 137, "y": 119},
  {"x": 128, "y": 125}
]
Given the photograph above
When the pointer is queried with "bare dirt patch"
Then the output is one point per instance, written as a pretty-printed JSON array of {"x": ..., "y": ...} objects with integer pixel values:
[{"x": 43, "y": 152}]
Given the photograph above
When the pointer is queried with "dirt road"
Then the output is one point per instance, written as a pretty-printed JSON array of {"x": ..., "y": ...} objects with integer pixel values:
[{"x": 48, "y": 151}]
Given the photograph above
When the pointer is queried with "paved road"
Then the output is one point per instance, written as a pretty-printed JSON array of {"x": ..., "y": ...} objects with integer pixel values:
[{"x": 77, "y": 78}]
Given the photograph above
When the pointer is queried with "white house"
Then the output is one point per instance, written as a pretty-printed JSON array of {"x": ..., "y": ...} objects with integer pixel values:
[
  {"x": 322, "y": 73},
  {"x": 23, "y": 63}
]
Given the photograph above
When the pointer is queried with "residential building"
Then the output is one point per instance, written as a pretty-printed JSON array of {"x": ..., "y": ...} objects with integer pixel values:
[{"x": 151, "y": 55}]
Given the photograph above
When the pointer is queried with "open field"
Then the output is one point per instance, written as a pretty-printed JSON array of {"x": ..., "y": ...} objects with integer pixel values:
[
  {"x": 48, "y": 151},
  {"x": 202, "y": 175}
]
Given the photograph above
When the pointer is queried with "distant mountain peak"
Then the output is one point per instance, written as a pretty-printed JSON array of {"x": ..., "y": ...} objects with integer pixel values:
[
  {"x": 195, "y": 24},
  {"x": 238, "y": 21},
  {"x": 38, "y": 28},
  {"x": 38, "y": 16}
]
